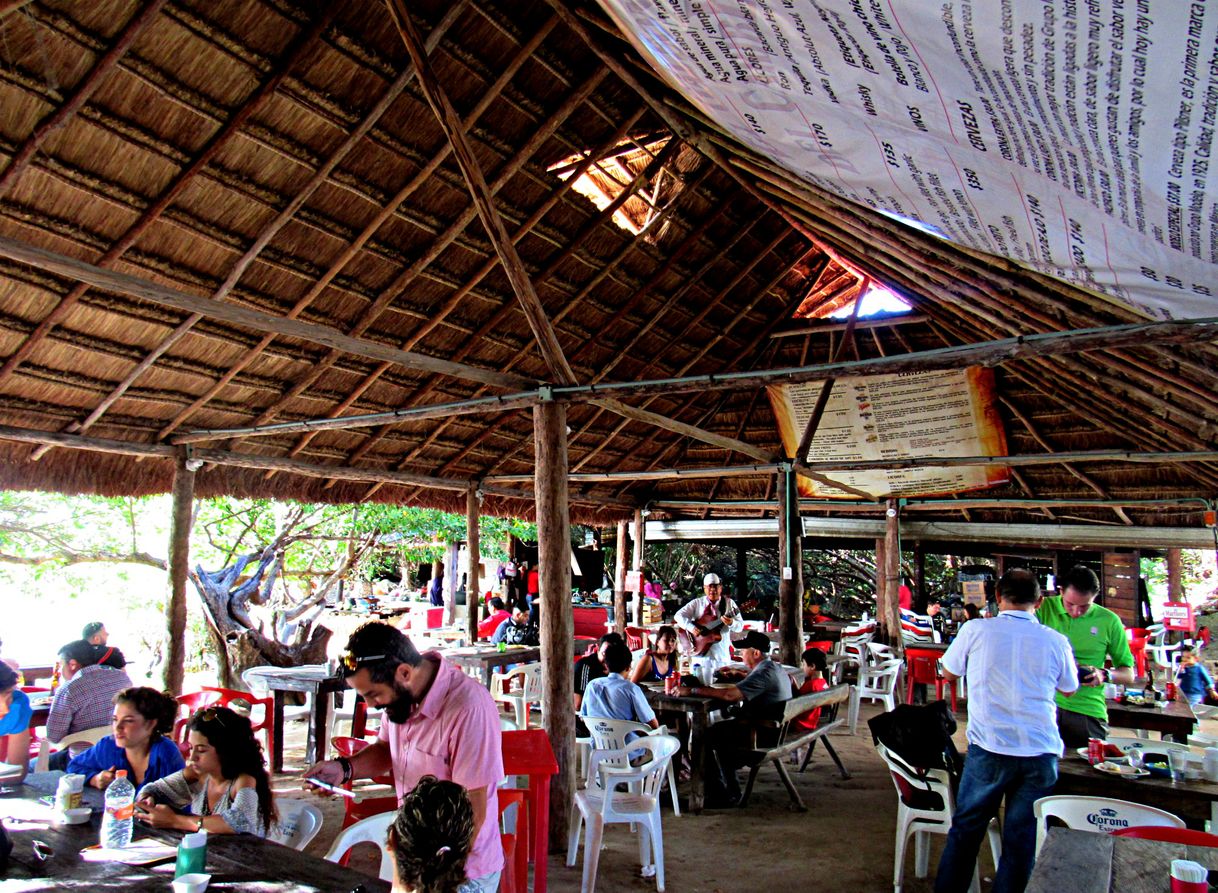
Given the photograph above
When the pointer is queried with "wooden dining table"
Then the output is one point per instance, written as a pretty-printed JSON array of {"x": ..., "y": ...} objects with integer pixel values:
[
  {"x": 235, "y": 862},
  {"x": 488, "y": 658},
  {"x": 313, "y": 679},
  {"x": 1090, "y": 862},
  {"x": 1174, "y": 719},
  {"x": 1196, "y": 802},
  {"x": 698, "y": 710}
]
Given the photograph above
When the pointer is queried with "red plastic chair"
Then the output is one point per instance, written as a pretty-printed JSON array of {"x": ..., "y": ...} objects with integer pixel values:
[
  {"x": 635, "y": 637},
  {"x": 825, "y": 645},
  {"x": 515, "y": 846},
  {"x": 228, "y": 695},
  {"x": 1186, "y": 836},
  {"x": 922, "y": 667},
  {"x": 352, "y": 811},
  {"x": 193, "y": 702}
]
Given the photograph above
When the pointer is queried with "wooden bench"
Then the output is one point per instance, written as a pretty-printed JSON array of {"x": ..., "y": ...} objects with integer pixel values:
[{"x": 790, "y": 738}]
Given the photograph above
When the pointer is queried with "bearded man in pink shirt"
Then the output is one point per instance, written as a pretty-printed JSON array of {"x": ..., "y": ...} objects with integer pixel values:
[{"x": 437, "y": 721}]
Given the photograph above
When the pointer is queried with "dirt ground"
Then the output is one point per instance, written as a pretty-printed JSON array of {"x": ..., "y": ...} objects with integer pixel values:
[{"x": 845, "y": 839}]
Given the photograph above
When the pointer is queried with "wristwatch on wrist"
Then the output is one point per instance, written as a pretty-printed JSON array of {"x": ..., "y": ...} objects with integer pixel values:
[
  {"x": 199, "y": 827},
  {"x": 1107, "y": 674},
  {"x": 346, "y": 767}
]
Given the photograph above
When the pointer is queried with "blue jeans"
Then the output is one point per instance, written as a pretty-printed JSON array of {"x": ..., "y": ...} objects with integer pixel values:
[
  {"x": 486, "y": 884},
  {"x": 988, "y": 778}
]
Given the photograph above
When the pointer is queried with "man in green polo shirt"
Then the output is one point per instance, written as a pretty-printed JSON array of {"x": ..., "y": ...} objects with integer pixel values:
[{"x": 1096, "y": 634}]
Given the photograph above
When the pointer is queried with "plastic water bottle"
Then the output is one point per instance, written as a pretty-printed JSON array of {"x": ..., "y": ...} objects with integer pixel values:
[{"x": 117, "y": 820}]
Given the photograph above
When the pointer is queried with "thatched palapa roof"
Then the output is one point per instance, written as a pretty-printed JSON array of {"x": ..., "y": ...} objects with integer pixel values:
[{"x": 280, "y": 161}]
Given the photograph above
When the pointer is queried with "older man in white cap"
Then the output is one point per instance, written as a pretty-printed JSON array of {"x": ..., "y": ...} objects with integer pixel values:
[{"x": 708, "y": 623}]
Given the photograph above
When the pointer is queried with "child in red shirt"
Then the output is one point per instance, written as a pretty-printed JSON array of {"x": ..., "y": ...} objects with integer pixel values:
[{"x": 815, "y": 666}]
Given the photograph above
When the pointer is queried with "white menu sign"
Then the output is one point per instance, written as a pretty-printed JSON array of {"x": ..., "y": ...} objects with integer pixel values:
[{"x": 1074, "y": 136}]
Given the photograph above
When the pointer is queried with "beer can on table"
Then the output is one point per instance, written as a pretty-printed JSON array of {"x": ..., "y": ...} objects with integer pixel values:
[{"x": 1095, "y": 751}]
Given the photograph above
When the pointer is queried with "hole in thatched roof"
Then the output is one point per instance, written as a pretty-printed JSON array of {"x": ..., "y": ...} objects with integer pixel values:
[
  {"x": 615, "y": 171},
  {"x": 876, "y": 300},
  {"x": 840, "y": 287}
]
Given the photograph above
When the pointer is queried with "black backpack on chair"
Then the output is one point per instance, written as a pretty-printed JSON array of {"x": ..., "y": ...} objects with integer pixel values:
[{"x": 920, "y": 735}]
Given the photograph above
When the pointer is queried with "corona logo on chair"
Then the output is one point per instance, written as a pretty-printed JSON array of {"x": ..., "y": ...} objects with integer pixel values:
[{"x": 1105, "y": 820}]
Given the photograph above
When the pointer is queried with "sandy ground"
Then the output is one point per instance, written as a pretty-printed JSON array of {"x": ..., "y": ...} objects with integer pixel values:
[{"x": 844, "y": 840}]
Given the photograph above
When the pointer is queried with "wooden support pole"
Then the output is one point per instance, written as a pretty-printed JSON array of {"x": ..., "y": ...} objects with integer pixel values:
[
  {"x": 1175, "y": 576},
  {"x": 473, "y": 570},
  {"x": 891, "y": 570},
  {"x": 880, "y": 617},
  {"x": 557, "y": 617},
  {"x": 636, "y": 563},
  {"x": 921, "y": 598},
  {"x": 174, "y": 669},
  {"x": 619, "y": 580},
  {"x": 790, "y": 575}
]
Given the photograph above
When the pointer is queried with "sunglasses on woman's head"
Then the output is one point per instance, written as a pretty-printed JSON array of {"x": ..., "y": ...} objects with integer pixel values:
[
  {"x": 211, "y": 714},
  {"x": 350, "y": 660}
]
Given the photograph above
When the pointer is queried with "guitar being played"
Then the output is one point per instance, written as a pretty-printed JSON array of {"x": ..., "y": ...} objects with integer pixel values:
[{"x": 705, "y": 622}]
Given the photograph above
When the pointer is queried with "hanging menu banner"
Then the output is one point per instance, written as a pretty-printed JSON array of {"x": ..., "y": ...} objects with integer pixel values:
[
  {"x": 1073, "y": 136},
  {"x": 913, "y": 415}
]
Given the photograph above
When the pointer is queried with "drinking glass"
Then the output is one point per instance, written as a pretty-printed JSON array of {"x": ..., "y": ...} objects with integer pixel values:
[
  {"x": 1135, "y": 757},
  {"x": 1177, "y": 761}
]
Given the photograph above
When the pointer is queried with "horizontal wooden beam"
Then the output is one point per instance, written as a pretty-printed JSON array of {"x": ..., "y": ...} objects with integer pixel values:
[
  {"x": 290, "y": 466},
  {"x": 659, "y": 474},
  {"x": 986, "y": 353},
  {"x": 142, "y": 289},
  {"x": 821, "y": 328},
  {"x": 411, "y": 414}
]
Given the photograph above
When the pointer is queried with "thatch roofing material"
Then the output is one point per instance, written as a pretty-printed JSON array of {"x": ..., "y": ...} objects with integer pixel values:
[{"x": 285, "y": 160}]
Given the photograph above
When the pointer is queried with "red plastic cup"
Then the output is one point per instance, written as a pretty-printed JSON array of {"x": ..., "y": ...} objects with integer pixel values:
[{"x": 1179, "y": 886}]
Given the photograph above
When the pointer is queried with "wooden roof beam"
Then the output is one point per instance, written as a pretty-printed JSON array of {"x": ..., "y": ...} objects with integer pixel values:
[
  {"x": 84, "y": 89},
  {"x": 513, "y": 266},
  {"x": 601, "y": 218},
  {"x": 10, "y": 6},
  {"x": 491, "y": 263},
  {"x": 822, "y": 328},
  {"x": 141, "y": 289},
  {"x": 296, "y": 51}
]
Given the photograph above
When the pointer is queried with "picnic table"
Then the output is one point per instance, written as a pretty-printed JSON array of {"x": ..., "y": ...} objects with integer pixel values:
[
  {"x": 34, "y": 673},
  {"x": 1174, "y": 720},
  {"x": 487, "y": 658},
  {"x": 1194, "y": 801},
  {"x": 1088, "y": 862},
  {"x": 313, "y": 679},
  {"x": 238, "y": 862}
]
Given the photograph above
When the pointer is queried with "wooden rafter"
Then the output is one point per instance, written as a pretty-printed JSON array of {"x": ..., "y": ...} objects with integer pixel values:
[
  {"x": 87, "y": 86},
  {"x": 513, "y": 266},
  {"x": 296, "y": 50},
  {"x": 133, "y": 286}
]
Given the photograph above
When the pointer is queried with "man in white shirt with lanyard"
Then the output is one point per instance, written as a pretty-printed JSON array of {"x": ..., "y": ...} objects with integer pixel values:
[
  {"x": 1014, "y": 666},
  {"x": 703, "y": 611}
]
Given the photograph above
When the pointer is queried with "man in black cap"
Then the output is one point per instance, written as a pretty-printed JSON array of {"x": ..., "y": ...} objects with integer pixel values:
[{"x": 765, "y": 688}]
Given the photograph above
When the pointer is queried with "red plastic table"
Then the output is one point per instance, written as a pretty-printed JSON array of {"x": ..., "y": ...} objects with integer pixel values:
[{"x": 528, "y": 752}]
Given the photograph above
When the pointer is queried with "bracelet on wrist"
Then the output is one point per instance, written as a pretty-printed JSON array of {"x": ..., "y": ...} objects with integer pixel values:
[{"x": 347, "y": 769}]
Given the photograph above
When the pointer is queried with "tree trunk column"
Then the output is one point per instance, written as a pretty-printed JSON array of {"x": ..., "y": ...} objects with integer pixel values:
[
  {"x": 1175, "y": 576},
  {"x": 742, "y": 574},
  {"x": 619, "y": 580},
  {"x": 891, "y": 572},
  {"x": 557, "y": 618},
  {"x": 636, "y": 564},
  {"x": 473, "y": 573},
  {"x": 790, "y": 572},
  {"x": 174, "y": 668}
]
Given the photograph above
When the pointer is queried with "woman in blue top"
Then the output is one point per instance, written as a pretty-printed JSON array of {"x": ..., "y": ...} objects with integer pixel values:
[
  {"x": 14, "y": 726},
  {"x": 142, "y": 719},
  {"x": 660, "y": 661}
]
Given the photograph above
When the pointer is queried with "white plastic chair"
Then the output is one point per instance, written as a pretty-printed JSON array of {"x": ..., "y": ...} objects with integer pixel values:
[
  {"x": 879, "y": 683},
  {"x": 639, "y": 803},
  {"x": 1165, "y": 657},
  {"x": 373, "y": 829},
  {"x": 530, "y": 691},
  {"x": 925, "y": 806},
  {"x": 1102, "y": 814},
  {"x": 610, "y": 734},
  {"x": 85, "y": 736},
  {"x": 298, "y": 823}
]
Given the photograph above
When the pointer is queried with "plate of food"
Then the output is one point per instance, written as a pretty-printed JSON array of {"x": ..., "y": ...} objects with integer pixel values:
[{"x": 1110, "y": 768}]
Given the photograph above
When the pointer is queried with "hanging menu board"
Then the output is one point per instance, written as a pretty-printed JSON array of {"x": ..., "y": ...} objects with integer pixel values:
[
  {"x": 913, "y": 415},
  {"x": 1073, "y": 136}
]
